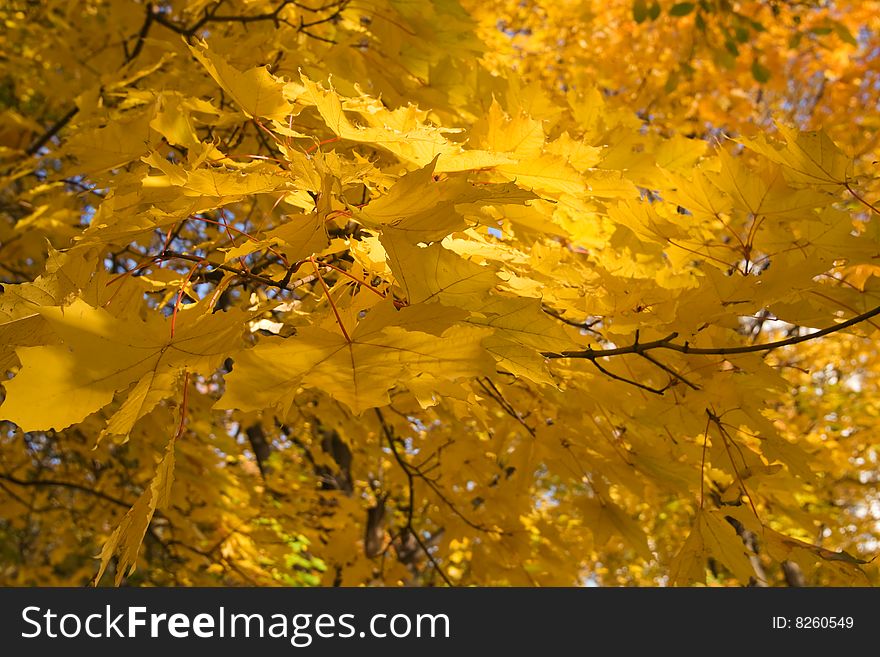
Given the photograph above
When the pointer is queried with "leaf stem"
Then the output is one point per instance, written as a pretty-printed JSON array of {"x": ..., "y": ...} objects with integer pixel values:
[{"x": 330, "y": 299}]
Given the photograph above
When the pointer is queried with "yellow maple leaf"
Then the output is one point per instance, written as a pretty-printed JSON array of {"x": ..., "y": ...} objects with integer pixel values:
[
  {"x": 711, "y": 535},
  {"x": 115, "y": 145},
  {"x": 358, "y": 372},
  {"x": 256, "y": 91},
  {"x": 522, "y": 321},
  {"x": 421, "y": 209},
  {"x": 412, "y": 141},
  {"x": 59, "y": 385},
  {"x": 126, "y": 539},
  {"x": 810, "y": 158},
  {"x": 435, "y": 272}
]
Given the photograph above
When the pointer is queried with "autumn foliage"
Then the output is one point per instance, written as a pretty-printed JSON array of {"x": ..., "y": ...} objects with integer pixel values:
[{"x": 370, "y": 292}]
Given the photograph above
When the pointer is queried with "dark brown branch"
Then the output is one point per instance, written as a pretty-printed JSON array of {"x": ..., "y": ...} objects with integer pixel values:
[
  {"x": 56, "y": 127},
  {"x": 154, "y": 16},
  {"x": 860, "y": 198},
  {"x": 282, "y": 285},
  {"x": 584, "y": 326},
  {"x": 623, "y": 379},
  {"x": 145, "y": 29},
  {"x": 82, "y": 186},
  {"x": 187, "y": 32},
  {"x": 261, "y": 447},
  {"x": 65, "y": 484},
  {"x": 667, "y": 343},
  {"x": 671, "y": 372},
  {"x": 312, "y": 35},
  {"x": 439, "y": 493},
  {"x": 211, "y": 16},
  {"x": 389, "y": 436},
  {"x": 51, "y": 483},
  {"x": 171, "y": 25},
  {"x": 410, "y": 479},
  {"x": 495, "y": 394}
]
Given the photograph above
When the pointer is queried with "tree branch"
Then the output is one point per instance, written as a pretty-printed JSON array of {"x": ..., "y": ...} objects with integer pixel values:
[
  {"x": 671, "y": 372},
  {"x": 43, "y": 139},
  {"x": 584, "y": 326},
  {"x": 667, "y": 343},
  {"x": 211, "y": 16},
  {"x": 410, "y": 479},
  {"x": 65, "y": 484},
  {"x": 145, "y": 29},
  {"x": 282, "y": 285}
]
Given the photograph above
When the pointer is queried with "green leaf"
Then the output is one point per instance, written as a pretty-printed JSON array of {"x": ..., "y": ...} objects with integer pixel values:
[
  {"x": 845, "y": 35},
  {"x": 760, "y": 73},
  {"x": 640, "y": 11},
  {"x": 681, "y": 9}
]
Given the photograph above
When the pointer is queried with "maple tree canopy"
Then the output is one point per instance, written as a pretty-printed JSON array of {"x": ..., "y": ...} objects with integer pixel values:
[{"x": 356, "y": 292}]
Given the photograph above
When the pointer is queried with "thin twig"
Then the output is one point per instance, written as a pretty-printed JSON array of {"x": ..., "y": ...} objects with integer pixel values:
[
  {"x": 671, "y": 372},
  {"x": 290, "y": 285},
  {"x": 65, "y": 484},
  {"x": 410, "y": 478},
  {"x": 632, "y": 382}
]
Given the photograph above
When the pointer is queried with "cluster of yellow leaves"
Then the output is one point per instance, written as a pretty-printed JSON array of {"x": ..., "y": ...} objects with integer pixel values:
[{"x": 331, "y": 292}]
